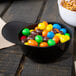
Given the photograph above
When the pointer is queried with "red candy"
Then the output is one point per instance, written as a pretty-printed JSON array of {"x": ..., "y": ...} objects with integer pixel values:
[{"x": 23, "y": 37}]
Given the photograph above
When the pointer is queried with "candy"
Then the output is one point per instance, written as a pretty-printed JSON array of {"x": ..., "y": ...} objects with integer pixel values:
[
  {"x": 36, "y": 28},
  {"x": 43, "y": 44},
  {"x": 32, "y": 43},
  {"x": 56, "y": 39},
  {"x": 30, "y": 37},
  {"x": 45, "y": 39},
  {"x": 63, "y": 30},
  {"x": 23, "y": 37},
  {"x": 49, "y": 27},
  {"x": 63, "y": 39},
  {"x": 34, "y": 33},
  {"x": 23, "y": 40},
  {"x": 50, "y": 35},
  {"x": 26, "y": 43},
  {"x": 39, "y": 31},
  {"x": 41, "y": 26},
  {"x": 67, "y": 34},
  {"x": 44, "y": 33},
  {"x": 31, "y": 30},
  {"x": 58, "y": 34},
  {"x": 51, "y": 42},
  {"x": 26, "y": 31},
  {"x": 45, "y": 23},
  {"x": 56, "y": 26},
  {"x": 55, "y": 31},
  {"x": 38, "y": 38},
  {"x": 67, "y": 37}
]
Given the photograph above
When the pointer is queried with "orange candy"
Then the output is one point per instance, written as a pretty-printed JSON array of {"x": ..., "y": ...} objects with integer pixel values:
[
  {"x": 36, "y": 28},
  {"x": 56, "y": 30},
  {"x": 56, "y": 39},
  {"x": 43, "y": 44},
  {"x": 45, "y": 23},
  {"x": 32, "y": 43},
  {"x": 44, "y": 33}
]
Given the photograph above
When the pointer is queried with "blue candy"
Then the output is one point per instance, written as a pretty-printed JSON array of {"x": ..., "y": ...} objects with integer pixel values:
[
  {"x": 50, "y": 35},
  {"x": 57, "y": 26},
  {"x": 63, "y": 30}
]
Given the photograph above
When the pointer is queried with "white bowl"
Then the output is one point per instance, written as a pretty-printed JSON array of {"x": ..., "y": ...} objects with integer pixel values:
[{"x": 67, "y": 15}]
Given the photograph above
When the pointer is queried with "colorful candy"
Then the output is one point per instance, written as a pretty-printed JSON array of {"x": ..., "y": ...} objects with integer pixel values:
[
  {"x": 26, "y": 31},
  {"x": 45, "y": 39},
  {"x": 49, "y": 27},
  {"x": 34, "y": 33},
  {"x": 41, "y": 26},
  {"x": 39, "y": 31},
  {"x": 50, "y": 35},
  {"x": 30, "y": 37},
  {"x": 56, "y": 26},
  {"x": 23, "y": 40},
  {"x": 67, "y": 37},
  {"x": 31, "y": 30},
  {"x": 26, "y": 43},
  {"x": 44, "y": 35},
  {"x": 56, "y": 39},
  {"x": 51, "y": 42},
  {"x": 23, "y": 37},
  {"x": 36, "y": 28},
  {"x": 32, "y": 43},
  {"x": 43, "y": 44},
  {"x": 67, "y": 34},
  {"x": 55, "y": 31},
  {"x": 58, "y": 34},
  {"x": 45, "y": 23},
  {"x": 63, "y": 30},
  {"x": 38, "y": 38},
  {"x": 63, "y": 39}
]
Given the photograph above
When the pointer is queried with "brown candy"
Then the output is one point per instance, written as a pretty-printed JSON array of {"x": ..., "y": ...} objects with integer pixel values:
[
  {"x": 23, "y": 40},
  {"x": 34, "y": 33},
  {"x": 55, "y": 31},
  {"x": 39, "y": 31},
  {"x": 45, "y": 39},
  {"x": 60, "y": 32},
  {"x": 30, "y": 37}
]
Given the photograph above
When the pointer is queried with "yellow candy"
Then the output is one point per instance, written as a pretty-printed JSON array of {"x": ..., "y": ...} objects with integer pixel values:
[
  {"x": 31, "y": 30},
  {"x": 67, "y": 37},
  {"x": 41, "y": 26},
  {"x": 25, "y": 43},
  {"x": 63, "y": 39},
  {"x": 58, "y": 34},
  {"x": 49, "y": 27}
]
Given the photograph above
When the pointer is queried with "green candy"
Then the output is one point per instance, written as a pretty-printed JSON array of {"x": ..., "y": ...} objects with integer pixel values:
[
  {"x": 26, "y": 31},
  {"x": 51, "y": 42},
  {"x": 38, "y": 38},
  {"x": 67, "y": 34}
]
